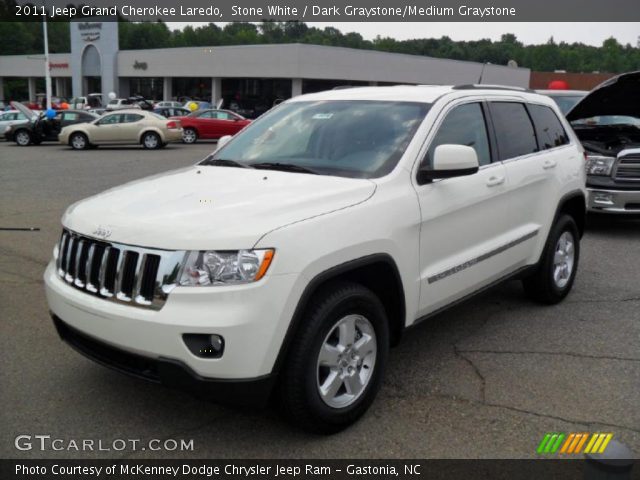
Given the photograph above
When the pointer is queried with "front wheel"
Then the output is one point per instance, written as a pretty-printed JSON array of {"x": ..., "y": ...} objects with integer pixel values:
[
  {"x": 78, "y": 141},
  {"x": 335, "y": 367},
  {"x": 189, "y": 135},
  {"x": 23, "y": 138},
  {"x": 556, "y": 271}
]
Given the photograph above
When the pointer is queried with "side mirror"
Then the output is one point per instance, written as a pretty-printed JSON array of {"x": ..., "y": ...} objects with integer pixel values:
[
  {"x": 222, "y": 141},
  {"x": 450, "y": 161}
]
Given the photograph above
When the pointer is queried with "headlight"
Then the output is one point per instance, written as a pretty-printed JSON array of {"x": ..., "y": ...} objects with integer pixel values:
[
  {"x": 598, "y": 165},
  {"x": 202, "y": 268}
]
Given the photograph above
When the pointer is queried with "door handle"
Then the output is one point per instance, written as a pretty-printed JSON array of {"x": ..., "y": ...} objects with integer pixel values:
[
  {"x": 547, "y": 164},
  {"x": 494, "y": 181}
]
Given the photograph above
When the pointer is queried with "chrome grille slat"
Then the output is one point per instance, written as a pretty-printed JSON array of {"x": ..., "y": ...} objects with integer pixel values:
[
  {"x": 69, "y": 259},
  {"x": 103, "y": 272},
  {"x": 77, "y": 281},
  {"x": 120, "y": 273},
  {"x": 628, "y": 167}
]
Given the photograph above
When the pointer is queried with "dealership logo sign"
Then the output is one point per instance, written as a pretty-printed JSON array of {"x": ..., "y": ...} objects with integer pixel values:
[
  {"x": 140, "y": 65},
  {"x": 93, "y": 31},
  {"x": 53, "y": 66}
]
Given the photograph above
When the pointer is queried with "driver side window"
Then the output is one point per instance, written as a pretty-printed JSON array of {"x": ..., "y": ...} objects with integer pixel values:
[
  {"x": 111, "y": 120},
  {"x": 464, "y": 125}
]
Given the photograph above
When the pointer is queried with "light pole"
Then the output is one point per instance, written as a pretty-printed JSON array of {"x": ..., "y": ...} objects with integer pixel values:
[{"x": 47, "y": 71}]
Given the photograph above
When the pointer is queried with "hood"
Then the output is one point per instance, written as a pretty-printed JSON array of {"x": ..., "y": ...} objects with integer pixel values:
[
  {"x": 617, "y": 96},
  {"x": 208, "y": 207},
  {"x": 26, "y": 111}
]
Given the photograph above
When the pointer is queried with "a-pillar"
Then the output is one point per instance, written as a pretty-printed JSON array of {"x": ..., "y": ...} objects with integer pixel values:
[
  {"x": 216, "y": 90},
  {"x": 296, "y": 87}
]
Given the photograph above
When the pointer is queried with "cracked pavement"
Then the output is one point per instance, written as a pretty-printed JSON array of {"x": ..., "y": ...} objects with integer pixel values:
[{"x": 486, "y": 379}]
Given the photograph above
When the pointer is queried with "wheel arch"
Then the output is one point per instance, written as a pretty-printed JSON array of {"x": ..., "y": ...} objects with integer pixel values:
[
  {"x": 377, "y": 272},
  {"x": 71, "y": 134},
  {"x": 155, "y": 130},
  {"x": 574, "y": 204}
]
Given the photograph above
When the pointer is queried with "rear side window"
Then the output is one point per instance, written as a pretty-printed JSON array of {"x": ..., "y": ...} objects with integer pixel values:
[
  {"x": 514, "y": 130},
  {"x": 132, "y": 117},
  {"x": 464, "y": 125},
  {"x": 550, "y": 131}
]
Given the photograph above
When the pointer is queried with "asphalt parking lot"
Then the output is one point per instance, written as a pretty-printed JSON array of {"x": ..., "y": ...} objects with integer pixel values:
[{"x": 485, "y": 380}]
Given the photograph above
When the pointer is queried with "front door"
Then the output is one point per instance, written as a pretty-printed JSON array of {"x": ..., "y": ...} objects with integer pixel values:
[{"x": 464, "y": 219}]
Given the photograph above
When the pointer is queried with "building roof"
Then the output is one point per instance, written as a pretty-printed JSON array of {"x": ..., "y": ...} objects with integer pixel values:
[{"x": 285, "y": 61}]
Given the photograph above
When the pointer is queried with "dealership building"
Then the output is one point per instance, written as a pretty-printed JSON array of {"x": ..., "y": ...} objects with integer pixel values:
[{"x": 259, "y": 72}]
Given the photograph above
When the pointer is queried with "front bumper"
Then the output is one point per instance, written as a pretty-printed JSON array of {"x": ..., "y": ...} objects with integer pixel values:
[
  {"x": 252, "y": 319},
  {"x": 623, "y": 202},
  {"x": 172, "y": 373}
]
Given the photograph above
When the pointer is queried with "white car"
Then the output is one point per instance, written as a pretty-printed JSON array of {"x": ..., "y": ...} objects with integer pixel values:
[
  {"x": 300, "y": 251},
  {"x": 9, "y": 118},
  {"x": 121, "y": 104}
]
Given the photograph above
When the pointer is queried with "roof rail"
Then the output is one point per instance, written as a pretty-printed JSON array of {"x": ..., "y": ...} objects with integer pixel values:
[{"x": 491, "y": 87}]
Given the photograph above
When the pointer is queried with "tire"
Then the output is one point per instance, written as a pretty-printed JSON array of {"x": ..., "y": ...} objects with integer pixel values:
[
  {"x": 23, "y": 138},
  {"x": 325, "y": 387},
  {"x": 189, "y": 136},
  {"x": 151, "y": 141},
  {"x": 78, "y": 141},
  {"x": 556, "y": 271}
]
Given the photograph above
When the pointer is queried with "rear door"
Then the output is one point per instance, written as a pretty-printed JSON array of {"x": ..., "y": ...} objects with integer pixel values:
[
  {"x": 131, "y": 126},
  {"x": 464, "y": 219},
  {"x": 108, "y": 129},
  {"x": 531, "y": 153}
]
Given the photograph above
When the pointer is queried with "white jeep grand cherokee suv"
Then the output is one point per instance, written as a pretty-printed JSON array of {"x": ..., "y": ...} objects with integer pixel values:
[{"x": 298, "y": 252}]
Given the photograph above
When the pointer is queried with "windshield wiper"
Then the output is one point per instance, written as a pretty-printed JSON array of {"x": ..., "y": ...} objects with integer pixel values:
[
  {"x": 221, "y": 162},
  {"x": 285, "y": 167}
]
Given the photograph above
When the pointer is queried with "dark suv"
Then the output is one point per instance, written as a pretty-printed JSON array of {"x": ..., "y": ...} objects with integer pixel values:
[{"x": 40, "y": 128}]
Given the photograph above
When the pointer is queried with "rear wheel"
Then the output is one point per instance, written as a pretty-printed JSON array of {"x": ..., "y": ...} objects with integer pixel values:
[
  {"x": 23, "y": 138},
  {"x": 78, "y": 141},
  {"x": 335, "y": 367},
  {"x": 151, "y": 140},
  {"x": 556, "y": 272},
  {"x": 189, "y": 135}
]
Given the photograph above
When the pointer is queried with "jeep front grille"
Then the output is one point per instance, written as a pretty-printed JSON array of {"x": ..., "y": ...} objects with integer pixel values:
[
  {"x": 142, "y": 277},
  {"x": 628, "y": 168}
]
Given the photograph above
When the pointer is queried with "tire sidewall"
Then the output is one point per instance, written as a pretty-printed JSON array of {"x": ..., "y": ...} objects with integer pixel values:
[
  {"x": 368, "y": 306},
  {"x": 86, "y": 141},
  {"x": 564, "y": 224},
  {"x": 19, "y": 133},
  {"x": 194, "y": 133},
  {"x": 151, "y": 134}
]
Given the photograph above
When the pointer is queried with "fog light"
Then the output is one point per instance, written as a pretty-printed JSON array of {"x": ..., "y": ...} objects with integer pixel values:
[
  {"x": 204, "y": 345},
  {"x": 603, "y": 198}
]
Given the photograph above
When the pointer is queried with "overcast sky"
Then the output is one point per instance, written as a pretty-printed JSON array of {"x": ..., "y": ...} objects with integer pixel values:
[{"x": 529, "y": 33}]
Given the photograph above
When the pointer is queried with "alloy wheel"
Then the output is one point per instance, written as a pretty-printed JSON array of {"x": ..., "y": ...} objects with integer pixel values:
[
  {"x": 346, "y": 361},
  {"x": 563, "y": 260}
]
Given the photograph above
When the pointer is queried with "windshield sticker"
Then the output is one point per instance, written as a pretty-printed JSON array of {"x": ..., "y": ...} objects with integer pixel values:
[{"x": 322, "y": 116}]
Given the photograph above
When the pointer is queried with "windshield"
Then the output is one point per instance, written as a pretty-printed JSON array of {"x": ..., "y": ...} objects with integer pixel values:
[
  {"x": 566, "y": 102},
  {"x": 608, "y": 120},
  {"x": 360, "y": 139}
]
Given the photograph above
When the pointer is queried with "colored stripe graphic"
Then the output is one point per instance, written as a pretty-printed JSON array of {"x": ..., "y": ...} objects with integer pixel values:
[
  {"x": 606, "y": 441},
  {"x": 582, "y": 442},
  {"x": 567, "y": 443},
  {"x": 543, "y": 443},
  {"x": 556, "y": 445},
  {"x": 573, "y": 443}
]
